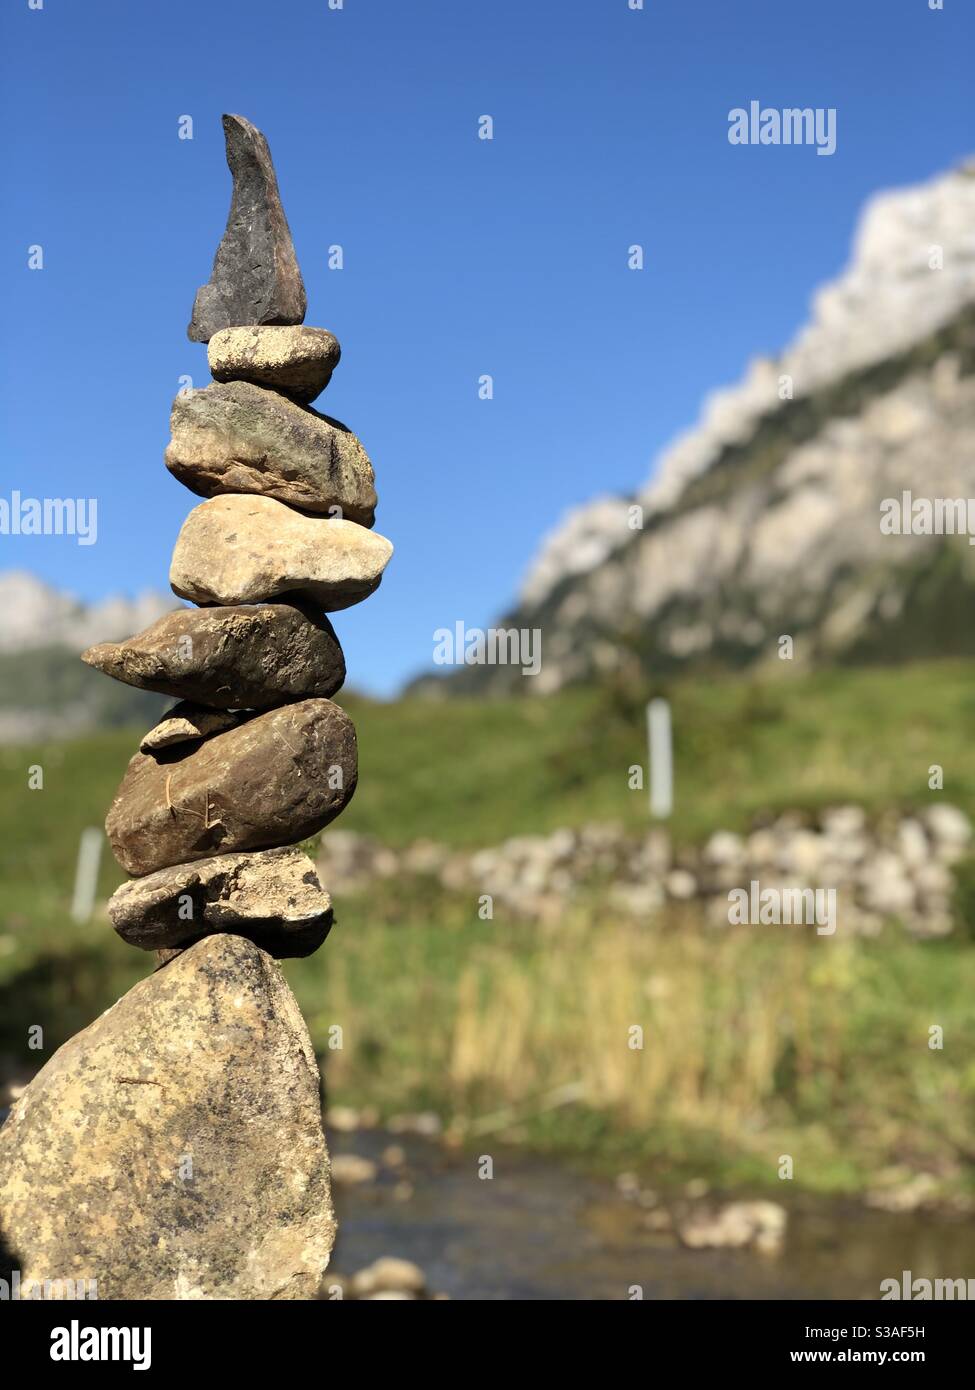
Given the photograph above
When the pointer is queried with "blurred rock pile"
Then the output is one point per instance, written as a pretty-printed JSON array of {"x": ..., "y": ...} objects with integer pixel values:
[{"x": 899, "y": 868}]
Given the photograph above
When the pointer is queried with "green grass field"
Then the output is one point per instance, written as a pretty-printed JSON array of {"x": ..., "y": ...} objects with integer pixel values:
[
  {"x": 472, "y": 773},
  {"x": 755, "y": 1045}
]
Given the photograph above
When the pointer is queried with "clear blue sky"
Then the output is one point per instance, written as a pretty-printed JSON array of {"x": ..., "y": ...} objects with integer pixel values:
[{"x": 462, "y": 256}]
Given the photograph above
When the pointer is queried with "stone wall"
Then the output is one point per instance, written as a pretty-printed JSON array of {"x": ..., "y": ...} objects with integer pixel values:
[{"x": 897, "y": 867}]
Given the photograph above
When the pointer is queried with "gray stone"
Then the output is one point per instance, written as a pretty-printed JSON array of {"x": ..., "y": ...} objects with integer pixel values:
[
  {"x": 759, "y": 1225},
  {"x": 241, "y": 549},
  {"x": 230, "y": 658},
  {"x": 950, "y": 829},
  {"x": 255, "y": 276},
  {"x": 273, "y": 897},
  {"x": 349, "y": 1170},
  {"x": 174, "y": 1149},
  {"x": 297, "y": 361},
  {"x": 186, "y": 723},
  {"x": 237, "y": 437},
  {"x": 274, "y": 780},
  {"x": 389, "y": 1274}
]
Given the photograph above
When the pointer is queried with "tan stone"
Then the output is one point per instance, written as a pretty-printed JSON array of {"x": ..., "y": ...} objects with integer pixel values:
[
  {"x": 187, "y": 723},
  {"x": 244, "y": 549},
  {"x": 174, "y": 1149},
  {"x": 296, "y": 360}
]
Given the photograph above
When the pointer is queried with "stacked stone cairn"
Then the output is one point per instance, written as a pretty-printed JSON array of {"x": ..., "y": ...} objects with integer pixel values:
[
  {"x": 255, "y": 757},
  {"x": 199, "y": 1091}
]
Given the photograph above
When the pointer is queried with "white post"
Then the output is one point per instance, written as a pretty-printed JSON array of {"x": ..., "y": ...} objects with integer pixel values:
[
  {"x": 86, "y": 875},
  {"x": 660, "y": 748}
]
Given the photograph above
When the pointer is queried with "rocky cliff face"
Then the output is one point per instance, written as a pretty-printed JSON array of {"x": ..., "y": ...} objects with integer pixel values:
[
  {"x": 34, "y": 615},
  {"x": 44, "y": 689},
  {"x": 765, "y": 519}
]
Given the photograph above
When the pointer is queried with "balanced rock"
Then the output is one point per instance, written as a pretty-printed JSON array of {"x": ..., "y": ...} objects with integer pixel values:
[
  {"x": 255, "y": 276},
  {"x": 238, "y": 437},
  {"x": 174, "y": 1149},
  {"x": 230, "y": 658},
  {"x": 241, "y": 549},
  {"x": 186, "y": 723},
  {"x": 273, "y": 897},
  {"x": 297, "y": 361},
  {"x": 274, "y": 780}
]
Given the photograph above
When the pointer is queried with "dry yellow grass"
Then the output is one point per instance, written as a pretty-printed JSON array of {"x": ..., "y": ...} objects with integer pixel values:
[{"x": 758, "y": 1043}]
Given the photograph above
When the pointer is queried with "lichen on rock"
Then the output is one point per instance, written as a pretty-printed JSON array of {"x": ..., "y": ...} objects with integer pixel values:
[{"x": 174, "y": 1149}]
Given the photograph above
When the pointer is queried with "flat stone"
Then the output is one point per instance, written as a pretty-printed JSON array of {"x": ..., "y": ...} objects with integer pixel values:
[
  {"x": 230, "y": 658},
  {"x": 238, "y": 437},
  {"x": 174, "y": 1149},
  {"x": 274, "y": 780},
  {"x": 240, "y": 549},
  {"x": 186, "y": 723},
  {"x": 298, "y": 361},
  {"x": 273, "y": 897},
  {"x": 255, "y": 276}
]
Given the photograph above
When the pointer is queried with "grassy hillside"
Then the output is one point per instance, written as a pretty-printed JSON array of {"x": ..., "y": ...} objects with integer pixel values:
[
  {"x": 756, "y": 1044},
  {"x": 471, "y": 772}
]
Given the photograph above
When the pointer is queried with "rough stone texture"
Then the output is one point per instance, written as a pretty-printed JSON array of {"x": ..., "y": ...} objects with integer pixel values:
[
  {"x": 204, "y": 1068},
  {"x": 241, "y": 549},
  {"x": 273, "y": 897},
  {"x": 298, "y": 361},
  {"x": 276, "y": 779},
  {"x": 230, "y": 658},
  {"x": 255, "y": 276},
  {"x": 238, "y": 437},
  {"x": 186, "y": 723}
]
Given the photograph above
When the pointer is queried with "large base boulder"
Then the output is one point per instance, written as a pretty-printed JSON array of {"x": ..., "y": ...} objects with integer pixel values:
[{"x": 174, "y": 1149}]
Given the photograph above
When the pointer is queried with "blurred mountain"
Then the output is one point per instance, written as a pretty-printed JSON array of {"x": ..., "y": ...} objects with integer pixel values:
[
  {"x": 45, "y": 690},
  {"x": 34, "y": 615},
  {"x": 764, "y": 520}
]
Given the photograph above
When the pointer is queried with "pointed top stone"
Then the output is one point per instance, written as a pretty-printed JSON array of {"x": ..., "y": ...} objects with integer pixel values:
[{"x": 255, "y": 277}]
